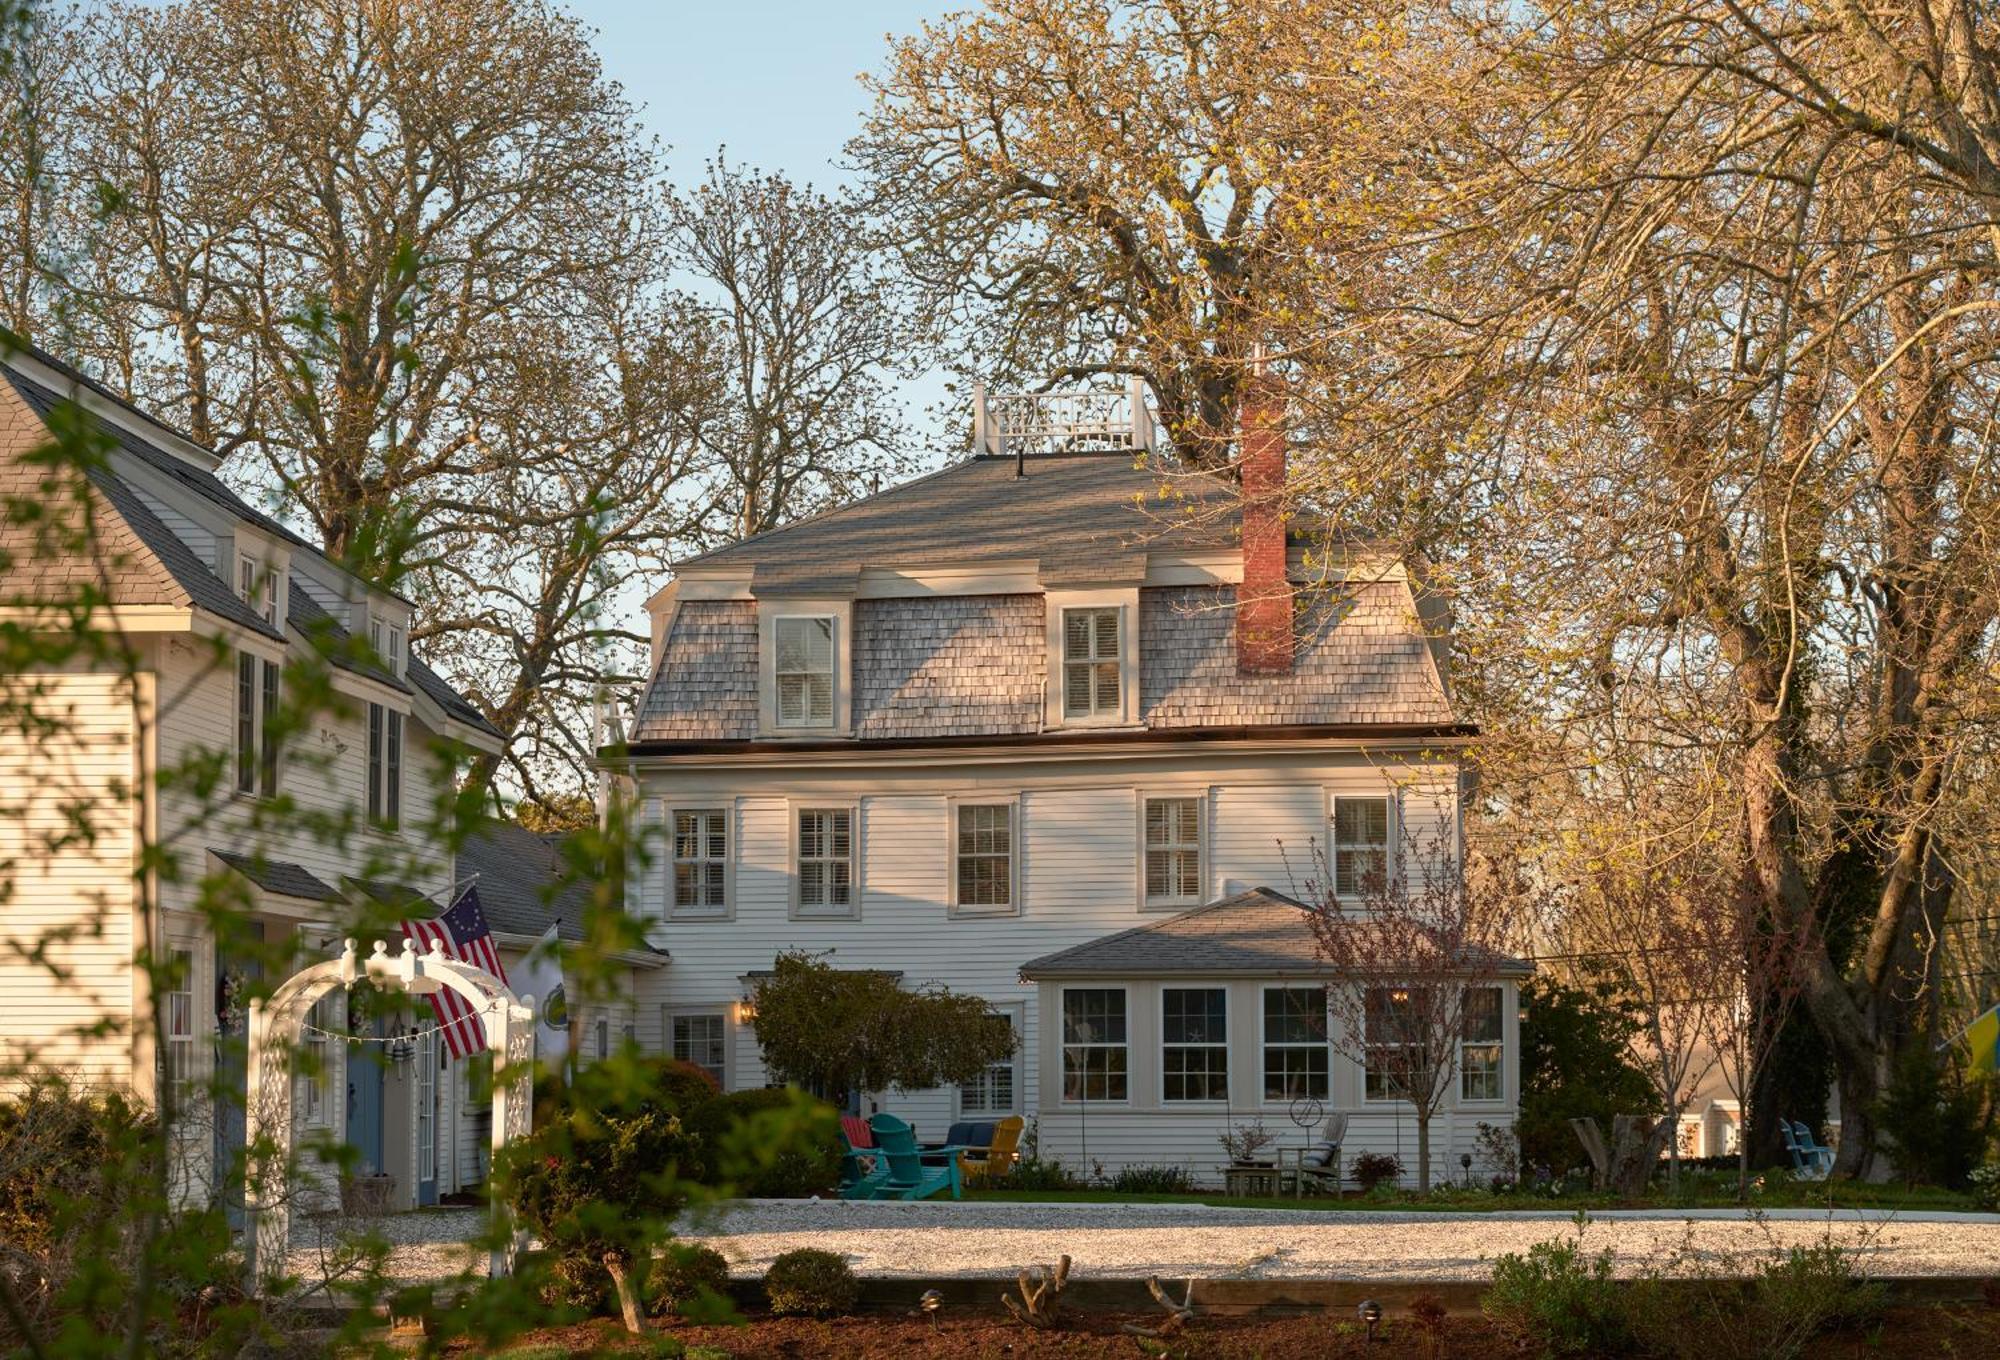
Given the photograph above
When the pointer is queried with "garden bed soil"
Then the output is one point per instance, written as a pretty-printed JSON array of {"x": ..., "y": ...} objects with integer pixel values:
[{"x": 1971, "y": 1332}]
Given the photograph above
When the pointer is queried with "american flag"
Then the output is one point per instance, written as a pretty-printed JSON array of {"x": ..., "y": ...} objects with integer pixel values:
[{"x": 463, "y": 932}]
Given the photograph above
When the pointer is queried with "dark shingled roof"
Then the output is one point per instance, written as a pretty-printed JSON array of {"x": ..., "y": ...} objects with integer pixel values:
[
  {"x": 445, "y": 697},
  {"x": 1258, "y": 933},
  {"x": 518, "y": 873},
  {"x": 278, "y": 876},
  {"x": 1078, "y": 515},
  {"x": 304, "y": 614}
]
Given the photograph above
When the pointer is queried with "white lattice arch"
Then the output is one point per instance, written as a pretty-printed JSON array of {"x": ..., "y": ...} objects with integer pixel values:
[{"x": 509, "y": 1022}]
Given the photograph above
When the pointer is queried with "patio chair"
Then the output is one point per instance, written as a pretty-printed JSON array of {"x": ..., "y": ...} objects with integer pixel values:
[
  {"x": 1815, "y": 1153},
  {"x": 1319, "y": 1163},
  {"x": 1805, "y": 1165},
  {"x": 908, "y": 1177},
  {"x": 862, "y": 1171},
  {"x": 971, "y": 1136},
  {"x": 983, "y": 1166}
]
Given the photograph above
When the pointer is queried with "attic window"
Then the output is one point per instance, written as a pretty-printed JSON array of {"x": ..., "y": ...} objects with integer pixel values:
[
  {"x": 804, "y": 671},
  {"x": 258, "y": 586},
  {"x": 387, "y": 640},
  {"x": 1090, "y": 663}
]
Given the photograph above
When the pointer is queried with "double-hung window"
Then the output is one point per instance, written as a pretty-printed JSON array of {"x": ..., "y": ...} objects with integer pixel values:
[
  {"x": 701, "y": 1040},
  {"x": 993, "y": 1091},
  {"x": 701, "y": 862},
  {"x": 1360, "y": 846},
  {"x": 983, "y": 857},
  {"x": 385, "y": 766},
  {"x": 1096, "y": 1061},
  {"x": 178, "y": 1013},
  {"x": 1194, "y": 1043},
  {"x": 804, "y": 670},
  {"x": 1296, "y": 1057},
  {"x": 387, "y": 640},
  {"x": 1481, "y": 1046},
  {"x": 825, "y": 861},
  {"x": 316, "y": 1060},
  {"x": 256, "y": 766},
  {"x": 1173, "y": 852},
  {"x": 1394, "y": 1055},
  {"x": 1090, "y": 663}
]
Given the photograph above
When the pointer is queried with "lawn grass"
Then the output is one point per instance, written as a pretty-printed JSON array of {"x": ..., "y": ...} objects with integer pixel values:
[{"x": 1777, "y": 1193}]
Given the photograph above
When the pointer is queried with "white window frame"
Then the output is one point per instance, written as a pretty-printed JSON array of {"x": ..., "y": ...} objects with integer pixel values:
[
  {"x": 726, "y": 809},
  {"x": 1265, "y": 1044},
  {"x": 601, "y": 1035},
  {"x": 385, "y": 636},
  {"x": 782, "y": 624},
  {"x": 841, "y": 612},
  {"x": 316, "y": 1074},
  {"x": 953, "y": 807},
  {"x": 180, "y": 1028},
  {"x": 669, "y": 1015},
  {"x": 799, "y": 910},
  {"x": 1498, "y": 1044},
  {"x": 387, "y": 763},
  {"x": 1222, "y": 1046},
  {"x": 1368, "y": 1044},
  {"x": 1392, "y": 822},
  {"x": 1200, "y": 798},
  {"x": 1056, "y": 604},
  {"x": 1063, "y": 1046},
  {"x": 1015, "y": 1014}
]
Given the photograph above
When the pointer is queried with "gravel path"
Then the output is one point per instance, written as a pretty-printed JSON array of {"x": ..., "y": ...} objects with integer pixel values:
[{"x": 1180, "y": 1240}]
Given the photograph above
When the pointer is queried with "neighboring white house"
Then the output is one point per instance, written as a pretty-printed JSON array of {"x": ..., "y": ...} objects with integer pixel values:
[
  {"x": 214, "y": 598},
  {"x": 1061, "y": 730}
]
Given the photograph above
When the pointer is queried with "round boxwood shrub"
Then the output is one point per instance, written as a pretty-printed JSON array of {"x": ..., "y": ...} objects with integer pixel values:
[
  {"x": 805, "y": 1163},
  {"x": 811, "y": 1283},
  {"x": 681, "y": 1273},
  {"x": 1371, "y": 1169}
]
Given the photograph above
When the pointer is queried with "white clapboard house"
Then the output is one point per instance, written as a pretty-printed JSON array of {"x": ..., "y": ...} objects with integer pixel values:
[{"x": 1057, "y": 726}]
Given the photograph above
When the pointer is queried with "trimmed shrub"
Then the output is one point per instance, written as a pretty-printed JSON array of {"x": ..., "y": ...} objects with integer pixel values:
[
  {"x": 811, "y": 1283},
  {"x": 576, "y": 1282},
  {"x": 682, "y": 1273},
  {"x": 1558, "y": 1301},
  {"x": 1153, "y": 1180},
  {"x": 1371, "y": 1169},
  {"x": 797, "y": 1152}
]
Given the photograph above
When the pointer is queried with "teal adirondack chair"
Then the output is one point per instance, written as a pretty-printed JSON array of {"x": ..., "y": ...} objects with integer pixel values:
[
  {"x": 863, "y": 1169},
  {"x": 909, "y": 1178}
]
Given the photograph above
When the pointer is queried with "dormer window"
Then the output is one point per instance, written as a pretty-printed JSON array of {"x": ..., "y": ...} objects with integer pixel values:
[
  {"x": 804, "y": 670},
  {"x": 258, "y": 585},
  {"x": 387, "y": 640},
  {"x": 1090, "y": 663},
  {"x": 1092, "y": 658}
]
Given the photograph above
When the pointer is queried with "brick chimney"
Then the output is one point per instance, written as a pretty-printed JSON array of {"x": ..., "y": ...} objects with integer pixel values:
[{"x": 1264, "y": 600}]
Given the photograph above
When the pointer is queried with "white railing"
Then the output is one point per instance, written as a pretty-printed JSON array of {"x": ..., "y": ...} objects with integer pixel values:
[{"x": 1062, "y": 422}]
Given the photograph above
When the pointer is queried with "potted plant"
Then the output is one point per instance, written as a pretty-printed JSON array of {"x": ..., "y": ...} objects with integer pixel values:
[{"x": 1244, "y": 1142}]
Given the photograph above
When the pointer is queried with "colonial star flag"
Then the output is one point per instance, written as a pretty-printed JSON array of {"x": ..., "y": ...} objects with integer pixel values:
[
  {"x": 542, "y": 978},
  {"x": 463, "y": 932}
]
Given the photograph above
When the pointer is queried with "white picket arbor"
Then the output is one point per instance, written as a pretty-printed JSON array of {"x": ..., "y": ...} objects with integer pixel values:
[{"x": 509, "y": 1023}]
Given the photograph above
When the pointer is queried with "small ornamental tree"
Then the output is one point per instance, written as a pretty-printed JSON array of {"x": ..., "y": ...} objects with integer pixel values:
[
  {"x": 840, "y": 1031},
  {"x": 1418, "y": 960}
]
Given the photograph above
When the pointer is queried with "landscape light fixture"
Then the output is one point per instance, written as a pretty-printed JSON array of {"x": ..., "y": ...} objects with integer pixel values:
[
  {"x": 1465, "y": 1161},
  {"x": 1371, "y": 1317}
]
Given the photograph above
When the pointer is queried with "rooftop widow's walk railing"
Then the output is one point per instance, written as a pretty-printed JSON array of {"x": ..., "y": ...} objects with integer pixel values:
[{"x": 1062, "y": 422}]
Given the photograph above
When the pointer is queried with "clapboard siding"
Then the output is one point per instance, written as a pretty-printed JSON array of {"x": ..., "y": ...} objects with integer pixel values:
[{"x": 81, "y": 774}]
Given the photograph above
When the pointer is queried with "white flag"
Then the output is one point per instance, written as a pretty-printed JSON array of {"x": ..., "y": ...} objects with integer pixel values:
[{"x": 541, "y": 977}]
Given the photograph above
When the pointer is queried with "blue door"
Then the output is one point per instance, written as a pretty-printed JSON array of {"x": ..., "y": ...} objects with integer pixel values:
[
  {"x": 364, "y": 1099},
  {"x": 234, "y": 977}
]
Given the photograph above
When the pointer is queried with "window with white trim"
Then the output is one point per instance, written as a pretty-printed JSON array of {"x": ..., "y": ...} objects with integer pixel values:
[
  {"x": 700, "y": 884},
  {"x": 177, "y": 1007},
  {"x": 385, "y": 766},
  {"x": 1173, "y": 852},
  {"x": 1296, "y": 1056},
  {"x": 256, "y": 689},
  {"x": 995, "y": 1091},
  {"x": 387, "y": 640},
  {"x": 983, "y": 856},
  {"x": 824, "y": 870},
  {"x": 1392, "y": 1050},
  {"x": 701, "y": 1039},
  {"x": 1481, "y": 1046},
  {"x": 1194, "y": 1043},
  {"x": 1095, "y": 1058},
  {"x": 1091, "y": 662},
  {"x": 603, "y": 1034},
  {"x": 316, "y": 1062},
  {"x": 803, "y": 670},
  {"x": 1360, "y": 846},
  {"x": 258, "y": 587}
]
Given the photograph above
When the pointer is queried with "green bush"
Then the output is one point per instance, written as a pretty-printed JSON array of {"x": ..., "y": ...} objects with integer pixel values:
[
  {"x": 1811, "y": 1290},
  {"x": 1936, "y": 1118},
  {"x": 574, "y": 1282},
  {"x": 811, "y": 1283},
  {"x": 1985, "y": 1185},
  {"x": 770, "y": 1143},
  {"x": 681, "y": 1275},
  {"x": 1372, "y": 1169},
  {"x": 1691, "y": 1307},
  {"x": 1575, "y": 1064},
  {"x": 1558, "y": 1301},
  {"x": 1032, "y": 1173},
  {"x": 1153, "y": 1180}
]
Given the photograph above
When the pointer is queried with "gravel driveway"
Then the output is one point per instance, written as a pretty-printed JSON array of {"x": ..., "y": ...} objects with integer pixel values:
[{"x": 1181, "y": 1240}]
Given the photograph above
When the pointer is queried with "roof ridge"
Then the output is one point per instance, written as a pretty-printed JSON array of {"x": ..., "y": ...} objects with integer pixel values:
[{"x": 830, "y": 510}]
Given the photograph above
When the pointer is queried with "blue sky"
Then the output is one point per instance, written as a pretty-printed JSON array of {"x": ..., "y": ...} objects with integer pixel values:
[{"x": 774, "y": 80}]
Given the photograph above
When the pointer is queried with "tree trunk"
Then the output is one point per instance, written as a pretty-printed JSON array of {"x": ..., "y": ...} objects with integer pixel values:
[
  {"x": 628, "y": 1297},
  {"x": 1423, "y": 1152}
]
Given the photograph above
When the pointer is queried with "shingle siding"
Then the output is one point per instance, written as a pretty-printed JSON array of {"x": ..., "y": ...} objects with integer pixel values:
[
  {"x": 969, "y": 665},
  {"x": 1363, "y": 659},
  {"x": 706, "y": 689}
]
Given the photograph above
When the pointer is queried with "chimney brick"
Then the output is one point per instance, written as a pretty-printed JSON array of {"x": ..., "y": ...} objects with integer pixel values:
[{"x": 1264, "y": 600}]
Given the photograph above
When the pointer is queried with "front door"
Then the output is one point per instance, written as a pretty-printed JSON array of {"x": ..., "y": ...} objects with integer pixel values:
[
  {"x": 427, "y": 1121},
  {"x": 364, "y": 1098},
  {"x": 234, "y": 978}
]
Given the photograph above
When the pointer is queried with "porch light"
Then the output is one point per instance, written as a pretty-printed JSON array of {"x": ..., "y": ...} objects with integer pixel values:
[{"x": 746, "y": 1010}]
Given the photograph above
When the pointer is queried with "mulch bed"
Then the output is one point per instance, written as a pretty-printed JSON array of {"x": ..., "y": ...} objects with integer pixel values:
[{"x": 1944, "y": 1331}]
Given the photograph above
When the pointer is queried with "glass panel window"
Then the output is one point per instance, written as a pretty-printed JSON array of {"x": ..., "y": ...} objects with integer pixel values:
[
  {"x": 1360, "y": 845},
  {"x": 385, "y": 765},
  {"x": 267, "y": 768},
  {"x": 317, "y": 1059},
  {"x": 701, "y": 860},
  {"x": 1194, "y": 1035},
  {"x": 1090, "y": 663},
  {"x": 247, "y": 744},
  {"x": 178, "y": 1005},
  {"x": 1295, "y": 1048},
  {"x": 826, "y": 861},
  {"x": 1095, "y": 1060},
  {"x": 1480, "y": 1050},
  {"x": 804, "y": 671},
  {"x": 992, "y": 1091},
  {"x": 985, "y": 855},
  {"x": 698, "y": 1039},
  {"x": 1393, "y": 1049},
  {"x": 1173, "y": 851}
]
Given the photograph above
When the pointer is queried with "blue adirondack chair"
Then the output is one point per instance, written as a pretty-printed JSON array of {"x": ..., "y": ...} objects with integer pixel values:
[
  {"x": 1808, "y": 1163},
  {"x": 908, "y": 1177},
  {"x": 1814, "y": 1153}
]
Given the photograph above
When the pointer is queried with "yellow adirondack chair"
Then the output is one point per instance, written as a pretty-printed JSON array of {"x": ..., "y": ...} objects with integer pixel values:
[{"x": 1001, "y": 1153}]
